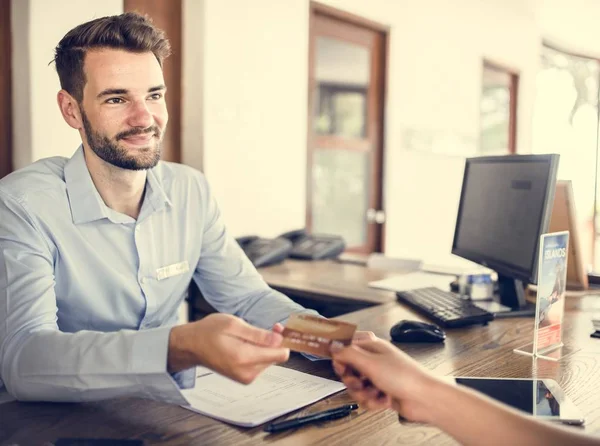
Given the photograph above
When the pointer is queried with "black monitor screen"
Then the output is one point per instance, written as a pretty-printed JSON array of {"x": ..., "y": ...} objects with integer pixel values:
[{"x": 503, "y": 211}]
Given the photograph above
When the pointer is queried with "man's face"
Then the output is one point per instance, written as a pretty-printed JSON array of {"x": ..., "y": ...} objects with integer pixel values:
[{"x": 123, "y": 110}]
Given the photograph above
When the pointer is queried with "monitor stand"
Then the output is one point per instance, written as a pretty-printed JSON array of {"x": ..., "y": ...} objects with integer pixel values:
[{"x": 510, "y": 301}]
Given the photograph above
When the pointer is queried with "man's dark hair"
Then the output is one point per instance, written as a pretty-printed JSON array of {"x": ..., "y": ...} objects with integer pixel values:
[{"x": 129, "y": 31}]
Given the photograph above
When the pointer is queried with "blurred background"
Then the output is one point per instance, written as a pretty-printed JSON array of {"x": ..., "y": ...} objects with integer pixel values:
[{"x": 342, "y": 116}]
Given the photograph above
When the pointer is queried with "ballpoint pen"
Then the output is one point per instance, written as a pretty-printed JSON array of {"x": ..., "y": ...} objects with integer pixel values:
[{"x": 331, "y": 414}]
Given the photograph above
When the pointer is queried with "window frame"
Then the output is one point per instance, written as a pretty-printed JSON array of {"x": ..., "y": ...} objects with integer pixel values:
[{"x": 513, "y": 99}]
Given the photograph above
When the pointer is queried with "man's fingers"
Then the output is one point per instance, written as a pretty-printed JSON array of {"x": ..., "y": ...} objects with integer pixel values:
[
  {"x": 278, "y": 328},
  {"x": 271, "y": 355},
  {"x": 249, "y": 373},
  {"x": 255, "y": 335},
  {"x": 256, "y": 355},
  {"x": 249, "y": 360}
]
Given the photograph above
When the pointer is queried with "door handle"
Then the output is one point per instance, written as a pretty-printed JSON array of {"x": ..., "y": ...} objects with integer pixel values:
[
  {"x": 371, "y": 213},
  {"x": 375, "y": 216}
]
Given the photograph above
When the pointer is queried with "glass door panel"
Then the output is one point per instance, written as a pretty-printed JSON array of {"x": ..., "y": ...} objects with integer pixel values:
[{"x": 341, "y": 195}]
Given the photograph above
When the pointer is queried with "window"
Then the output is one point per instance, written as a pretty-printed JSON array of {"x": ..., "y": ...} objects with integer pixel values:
[
  {"x": 498, "y": 109},
  {"x": 565, "y": 121},
  {"x": 342, "y": 110}
]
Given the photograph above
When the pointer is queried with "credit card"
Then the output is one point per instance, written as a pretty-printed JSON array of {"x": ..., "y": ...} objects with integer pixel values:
[{"x": 311, "y": 334}]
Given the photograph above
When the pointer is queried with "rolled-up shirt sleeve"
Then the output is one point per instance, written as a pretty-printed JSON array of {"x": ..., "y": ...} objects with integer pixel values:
[{"x": 38, "y": 362}]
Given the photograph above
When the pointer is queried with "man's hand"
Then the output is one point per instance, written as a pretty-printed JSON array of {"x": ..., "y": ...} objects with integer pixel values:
[
  {"x": 278, "y": 328},
  {"x": 227, "y": 345}
]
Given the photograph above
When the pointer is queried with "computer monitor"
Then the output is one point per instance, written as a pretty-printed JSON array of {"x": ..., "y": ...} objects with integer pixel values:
[
  {"x": 564, "y": 218},
  {"x": 505, "y": 205}
]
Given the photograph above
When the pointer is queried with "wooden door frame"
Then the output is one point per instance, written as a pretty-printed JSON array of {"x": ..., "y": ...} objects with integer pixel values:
[
  {"x": 375, "y": 110},
  {"x": 168, "y": 16},
  {"x": 5, "y": 89}
]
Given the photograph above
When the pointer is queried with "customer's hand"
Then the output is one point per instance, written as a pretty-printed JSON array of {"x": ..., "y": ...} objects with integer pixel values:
[
  {"x": 378, "y": 375},
  {"x": 227, "y": 345},
  {"x": 363, "y": 336}
]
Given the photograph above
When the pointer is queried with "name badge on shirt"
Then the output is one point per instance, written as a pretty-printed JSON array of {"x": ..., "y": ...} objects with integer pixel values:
[{"x": 172, "y": 270}]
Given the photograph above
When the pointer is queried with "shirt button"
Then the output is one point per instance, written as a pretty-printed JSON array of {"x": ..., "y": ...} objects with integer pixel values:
[
  {"x": 143, "y": 280},
  {"x": 137, "y": 229}
]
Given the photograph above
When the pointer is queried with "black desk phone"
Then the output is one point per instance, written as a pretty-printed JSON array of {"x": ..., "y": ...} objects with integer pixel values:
[
  {"x": 265, "y": 251},
  {"x": 314, "y": 246},
  {"x": 296, "y": 244}
]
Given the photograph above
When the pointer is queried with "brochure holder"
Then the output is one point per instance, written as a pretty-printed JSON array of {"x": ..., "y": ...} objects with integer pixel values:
[{"x": 550, "y": 301}]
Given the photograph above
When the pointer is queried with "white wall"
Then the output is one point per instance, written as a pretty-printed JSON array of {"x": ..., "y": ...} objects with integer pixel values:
[
  {"x": 571, "y": 24},
  {"x": 255, "y": 111},
  {"x": 256, "y": 106},
  {"x": 38, "y": 26}
]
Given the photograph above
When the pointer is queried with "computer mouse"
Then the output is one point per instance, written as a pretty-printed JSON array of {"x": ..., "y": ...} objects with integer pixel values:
[{"x": 415, "y": 331}]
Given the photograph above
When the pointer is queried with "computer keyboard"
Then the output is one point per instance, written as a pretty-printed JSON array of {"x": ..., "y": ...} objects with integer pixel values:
[{"x": 445, "y": 308}]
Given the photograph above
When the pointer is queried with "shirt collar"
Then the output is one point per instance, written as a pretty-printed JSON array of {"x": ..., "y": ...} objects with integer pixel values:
[
  {"x": 87, "y": 204},
  {"x": 155, "y": 193},
  {"x": 85, "y": 201}
]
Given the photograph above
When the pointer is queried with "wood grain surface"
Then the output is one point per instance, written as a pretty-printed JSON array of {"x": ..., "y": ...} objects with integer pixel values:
[{"x": 476, "y": 351}]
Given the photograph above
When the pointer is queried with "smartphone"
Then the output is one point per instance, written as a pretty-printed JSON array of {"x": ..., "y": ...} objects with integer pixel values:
[{"x": 542, "y": 398}]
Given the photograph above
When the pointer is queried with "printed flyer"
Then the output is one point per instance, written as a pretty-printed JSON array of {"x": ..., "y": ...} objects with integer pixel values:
[{"x": 552, "y": 279}]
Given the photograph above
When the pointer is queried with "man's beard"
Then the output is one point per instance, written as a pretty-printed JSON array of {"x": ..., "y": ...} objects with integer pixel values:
[{"x": 109, "y": 150}]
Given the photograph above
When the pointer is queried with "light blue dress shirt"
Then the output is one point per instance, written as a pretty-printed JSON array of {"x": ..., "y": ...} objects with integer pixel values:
[{"x": 88, "y": 295}]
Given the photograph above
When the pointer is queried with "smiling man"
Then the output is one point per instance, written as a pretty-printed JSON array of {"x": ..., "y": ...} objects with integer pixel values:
[{"x": 97, "y": 251}]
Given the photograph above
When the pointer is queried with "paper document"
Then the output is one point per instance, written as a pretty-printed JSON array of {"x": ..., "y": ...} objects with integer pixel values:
[
  {"x": 275, "y": 392},
  {"x": 412, "y": 281},
  {"x": 453, "y": 265},
  {"x": 596, "y": 321}
]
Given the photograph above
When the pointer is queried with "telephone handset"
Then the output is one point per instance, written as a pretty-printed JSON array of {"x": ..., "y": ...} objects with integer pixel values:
[
  {"x": 265, "y": 251},
  {"x": 294, "y": 236},
  {"x": 296, "y": 244},
  {"x": 246, "y": 240},
  {"x": 314, "y": 246}
]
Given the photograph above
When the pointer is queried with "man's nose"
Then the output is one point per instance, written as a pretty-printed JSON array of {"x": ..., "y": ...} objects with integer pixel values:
[{"x": 140, "y": 116}]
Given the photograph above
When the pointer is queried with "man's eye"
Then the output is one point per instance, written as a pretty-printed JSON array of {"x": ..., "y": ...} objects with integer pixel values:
[
  {"x": 114, "y": 101},
  {"x": 156, "y": 96}
]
